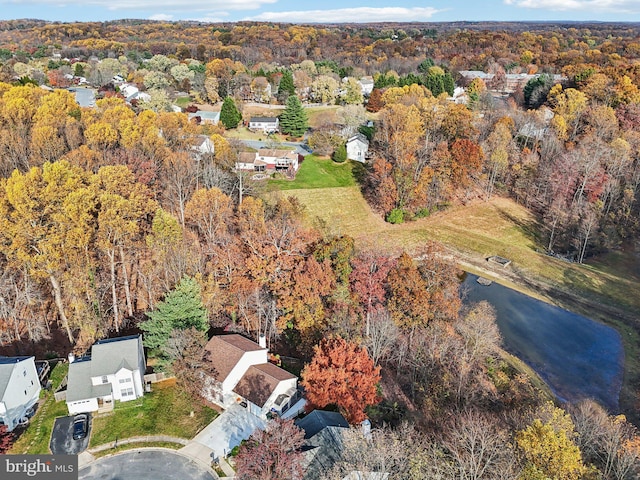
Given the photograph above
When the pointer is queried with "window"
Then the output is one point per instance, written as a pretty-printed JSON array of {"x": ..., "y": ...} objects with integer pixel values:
[
  {"x": 126, "y": 392},
  {"x": 105, "y": 379},
  {"x": 125, "y": 380}
]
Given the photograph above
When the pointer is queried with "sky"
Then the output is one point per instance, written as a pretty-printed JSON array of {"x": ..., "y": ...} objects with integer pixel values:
[{"x": 327, "y": 11}]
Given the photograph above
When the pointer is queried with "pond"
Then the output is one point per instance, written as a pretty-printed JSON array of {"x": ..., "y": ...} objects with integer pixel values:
[{"x": 577, "y": 357}]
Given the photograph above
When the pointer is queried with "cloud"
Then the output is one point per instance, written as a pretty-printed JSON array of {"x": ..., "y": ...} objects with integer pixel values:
[
  {"x": 350, "y": 15},
  {"x": 612, "y": 6},
  {"x": 162, "y": 5},
  {"x": 161, "y": 16}
]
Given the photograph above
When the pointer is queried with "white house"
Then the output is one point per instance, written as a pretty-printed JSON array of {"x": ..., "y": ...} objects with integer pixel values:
[
  {"x": 202, "y": 145},
  {"x": 269, "y": 160},
  {"x": 114, "y": 371},
  {"x": 244, "y": 376},
  {"x": 19, "y": 389},
  {"x": 366, "y": 85},
  {"x": 266, "y": 124},
  {"x": 205, "y": 117},
  {"x": 357, "y": 148}
]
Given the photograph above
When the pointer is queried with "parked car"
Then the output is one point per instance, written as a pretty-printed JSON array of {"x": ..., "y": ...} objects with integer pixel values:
[{"x": 80, "y": 426}]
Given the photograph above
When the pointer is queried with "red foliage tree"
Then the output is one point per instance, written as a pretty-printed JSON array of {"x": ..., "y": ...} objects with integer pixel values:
[
  {"x": 6, "y": 439},
  {"x": 466, "y": 161},
  {"x": 368, "y": 281},
  {"x": 341, "y": 373},
  {"x": 272, "y": 454},
  {"x": 375, "y": 101}
]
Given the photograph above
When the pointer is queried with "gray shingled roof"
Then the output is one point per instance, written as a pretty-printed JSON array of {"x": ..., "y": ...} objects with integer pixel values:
[
  {"x": 263, "y": 119},
  {"x": 110, "y": 355},
  {"x": 319, "y": 420},
  {"x": 79, "y": 382},
  {"x": 7, "y": 364}
]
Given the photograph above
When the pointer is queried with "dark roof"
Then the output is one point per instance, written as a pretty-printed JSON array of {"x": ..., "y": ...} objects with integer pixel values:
[
  {"x": 225, "y": 351},
  {"x": 263, "y": 119},
  {"x": 260, "y": 381},
  {"x": 318, "y": 420},
  {"x": 111, "y": 354}
]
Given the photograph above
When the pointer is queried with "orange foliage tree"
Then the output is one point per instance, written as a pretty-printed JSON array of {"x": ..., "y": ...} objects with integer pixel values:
[{"x": 341, "y": 373}]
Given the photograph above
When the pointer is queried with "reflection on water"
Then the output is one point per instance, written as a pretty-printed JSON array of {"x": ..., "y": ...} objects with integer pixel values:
[{"x": 577, "y": 357}]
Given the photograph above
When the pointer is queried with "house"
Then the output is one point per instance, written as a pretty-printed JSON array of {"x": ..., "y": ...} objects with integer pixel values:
[
  {"x": 266, "y": 124},
  {"x": 202, "y": 145},
  {"x": 114, "y": 371},
  {"x": 244, "y": 376},
  {"x": 205, "y": 118},
  {"x": 19, "y": 389},
  {"x": 85, "y": 97},
  {"x": 366, "y": 85},
  {"x": 357, "y": 148},
  {"x": 269, "y": 161},
  {"x": 323, "y": 440}
]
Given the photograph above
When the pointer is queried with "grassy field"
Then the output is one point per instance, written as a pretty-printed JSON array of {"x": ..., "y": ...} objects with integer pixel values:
[
  {"x": 316, "y": 172},
  {"x": 164, "y": 411},
  {"x": 35, "y": 439}
]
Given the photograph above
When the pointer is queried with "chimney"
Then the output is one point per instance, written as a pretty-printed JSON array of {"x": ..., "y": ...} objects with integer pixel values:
[
  {"x": 71, "y": 357},
  {"x": 262, "y": 341}
]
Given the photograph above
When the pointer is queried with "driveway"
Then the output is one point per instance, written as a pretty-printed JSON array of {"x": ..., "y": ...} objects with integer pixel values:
[
  {"x": 228, "y": 430},
  {"x": 146, "y": 464},
  {"x": 62, "y": 442}
]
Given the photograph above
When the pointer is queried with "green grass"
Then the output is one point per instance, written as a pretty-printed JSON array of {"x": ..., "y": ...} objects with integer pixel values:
[
  {"x": 35, "y": 439},
  {"x": 316, "y": 172},
  {"x": 164, "y": 411},
  {"x": 182, "y": 102}
]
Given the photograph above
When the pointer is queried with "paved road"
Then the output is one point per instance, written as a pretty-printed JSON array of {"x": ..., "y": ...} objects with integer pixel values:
[
  {"x": 146, "y": 464},
  {"x": 62, "y": 442}
]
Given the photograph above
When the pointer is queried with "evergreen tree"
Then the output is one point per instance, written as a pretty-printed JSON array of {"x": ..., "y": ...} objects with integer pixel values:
[
  {"x": 181, "y": 309},
  {"x": 293, "y": 121},
  {"x": 229, "y": 114},
  {"x": 425, "y": 65},
  {"x": 286, "y": 88},
  {"x": 449, "y": 84},
  {"x": 340, "y": 155}
]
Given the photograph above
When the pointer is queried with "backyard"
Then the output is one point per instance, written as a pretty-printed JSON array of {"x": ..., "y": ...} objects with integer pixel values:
[{"x": 318, "y": 172}]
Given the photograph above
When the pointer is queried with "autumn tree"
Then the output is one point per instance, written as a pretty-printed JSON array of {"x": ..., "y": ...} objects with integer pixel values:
[
  {"x": 341, "y": 373},
  {"x": 374, "y": 103},
  {"x": 47, "y": 224},
  {"x": 189, "y": 360},
  {"x": 408, "y": 297},
  {"x": 230, "y": 116},
  {"x": 272, "y": 454},
  {"x": 293, "y": 121},
  {"x": 549, "y": 450}
]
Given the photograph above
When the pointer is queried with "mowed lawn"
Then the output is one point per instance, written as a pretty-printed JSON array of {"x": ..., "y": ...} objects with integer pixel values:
[
  {"x": 318, "y": 172},
  {"x": 165, "y": 411}
]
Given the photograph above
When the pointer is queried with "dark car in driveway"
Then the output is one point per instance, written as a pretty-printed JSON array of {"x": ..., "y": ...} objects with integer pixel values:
[{"x": 80, "y": 426}]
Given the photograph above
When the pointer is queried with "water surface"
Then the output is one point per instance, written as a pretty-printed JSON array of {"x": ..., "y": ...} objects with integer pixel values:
[{"x": 577, "y": 357}]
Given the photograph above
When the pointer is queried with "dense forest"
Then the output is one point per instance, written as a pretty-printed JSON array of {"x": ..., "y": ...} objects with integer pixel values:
[{"x": 108, "y": 214}]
